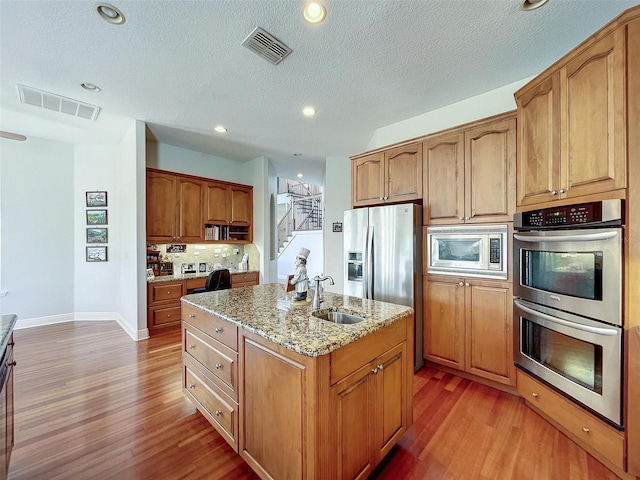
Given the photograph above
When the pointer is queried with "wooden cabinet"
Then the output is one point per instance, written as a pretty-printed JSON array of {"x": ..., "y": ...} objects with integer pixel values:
[
  {"x": 6, "y": 408},
  {"x": 595, "y": 436},
  {"x": 174, "y": 208},
  {"x": 187, "y": 209},
  {"x": 228, "y": 212},
  {"x": 469, "y": 175},
  {"x": 392, "y": 176},
  {"x": 370, "y": 414},
  {"x": 467, "y": 326},
  {"x": 163, "y": 303},
  {"x": 330, "y": 416},
  {"x": 571, "y": 133},
  {"x": 244, "y": 279}
]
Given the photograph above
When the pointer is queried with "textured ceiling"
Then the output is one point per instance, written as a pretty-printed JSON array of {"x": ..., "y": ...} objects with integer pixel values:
[{"x": 180, "y": 66}]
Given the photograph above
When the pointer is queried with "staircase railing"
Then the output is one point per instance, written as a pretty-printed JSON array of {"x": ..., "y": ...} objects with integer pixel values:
[{"x": 304, "y": 213}]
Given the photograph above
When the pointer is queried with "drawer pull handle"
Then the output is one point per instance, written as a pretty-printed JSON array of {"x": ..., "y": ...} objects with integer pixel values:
[
  {"x": 13, "y": 363},
  {"x": 168, "y": 292},
  {"x": 534, "y": 395},
  {"x": 192, "y": 346},
  {"x": 374, "y": 370},
  {"x": 218, "y": 330},
  {"x": 218, "y": 366},
  {"x": 380, "y": 367},
  {"x": 585, "y": 430},
  {"x": 192, "y": 385},
  {"x": 168, "y": 315},
  {"x": 191, "y": 315},
  {"x": 218, "y": 413}
]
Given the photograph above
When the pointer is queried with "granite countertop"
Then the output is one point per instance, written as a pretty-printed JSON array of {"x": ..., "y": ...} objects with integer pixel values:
[
  {"x": 6, "y": 327},
  {"x": 186, "y": 276},
  {"x": 266, "y": 310}
]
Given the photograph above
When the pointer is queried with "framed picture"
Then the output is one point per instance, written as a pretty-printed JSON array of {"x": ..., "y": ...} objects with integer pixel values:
[
  {"x": 97, "y": 235},
  {"x": 96, "y": 254},
  {"x": 150, "y": 273},
  {"x": 96, "y": 199},
  {"x": 202, "y": 267},
  {"x": 337, "y": 226},
  {"x": 96, "y": 217}
]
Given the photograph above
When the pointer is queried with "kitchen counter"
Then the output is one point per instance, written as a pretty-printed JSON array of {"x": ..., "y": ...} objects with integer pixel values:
[
  {"x": 7, "y": 324},
  {"x": 187, "y": 276},
  {"x": 266, "y": 310}
]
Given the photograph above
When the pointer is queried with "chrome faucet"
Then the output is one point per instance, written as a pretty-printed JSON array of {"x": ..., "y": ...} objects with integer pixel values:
[{"x": 318, "y": 296}]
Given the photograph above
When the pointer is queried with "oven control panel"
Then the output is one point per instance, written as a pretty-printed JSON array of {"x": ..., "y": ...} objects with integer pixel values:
[{"x": 579, "y": 215}]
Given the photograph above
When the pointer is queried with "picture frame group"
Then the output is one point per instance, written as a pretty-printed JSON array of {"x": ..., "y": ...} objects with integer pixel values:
[{"x": 96, "y": 216}]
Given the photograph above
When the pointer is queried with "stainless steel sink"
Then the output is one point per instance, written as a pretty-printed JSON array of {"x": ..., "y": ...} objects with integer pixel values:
[{"x": 338, "y": 317}]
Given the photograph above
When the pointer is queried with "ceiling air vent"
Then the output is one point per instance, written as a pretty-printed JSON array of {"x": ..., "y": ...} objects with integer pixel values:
[
  {"x": 57, "y": 103},
  {"x": 266, "y": 45}
]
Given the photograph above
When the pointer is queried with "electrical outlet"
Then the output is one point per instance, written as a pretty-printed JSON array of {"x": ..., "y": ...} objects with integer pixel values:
[{"x": 236, "y": 251}]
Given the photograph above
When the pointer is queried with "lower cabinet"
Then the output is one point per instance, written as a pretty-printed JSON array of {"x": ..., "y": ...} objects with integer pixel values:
[
  {"x": 467, "y": 326},
  {"x": 369, "y": 409},
  {"x": 293, "y": 416},
  {"x": 6, "y": 408},
  {"x": 244, "y": 279}
]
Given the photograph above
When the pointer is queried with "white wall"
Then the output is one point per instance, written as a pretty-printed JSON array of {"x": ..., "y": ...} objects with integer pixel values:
[
  {"x": 487, "y": 104},
  {"x": 312, "y": 240},
  {"x": 181, "y": 160},
  {"x": 38, "y": 219},
  {"x": 337, "y": 199}
]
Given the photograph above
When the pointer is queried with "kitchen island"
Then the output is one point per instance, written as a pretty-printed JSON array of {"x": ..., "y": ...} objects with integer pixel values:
[{"x": 295, "y": 395}]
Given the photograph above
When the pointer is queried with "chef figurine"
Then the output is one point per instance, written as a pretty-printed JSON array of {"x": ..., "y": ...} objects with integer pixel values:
[{"x": 300, "y": 279}]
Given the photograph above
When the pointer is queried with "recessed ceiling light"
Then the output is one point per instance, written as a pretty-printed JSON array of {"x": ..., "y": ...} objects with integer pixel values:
[
  {"x": 533, "y": 4},
  {"x": 90, "y": 86},
  {"x": 308, "y": 111},
  {"x": 314, "y": 12},
  {"x": 220, "y": 129},
  {"x": 110, "y": 13},
  {"x": 300, "y": 175}
]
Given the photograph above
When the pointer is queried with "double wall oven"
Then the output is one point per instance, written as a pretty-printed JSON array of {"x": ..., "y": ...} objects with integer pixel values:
[{"x": 568, "y": 302}]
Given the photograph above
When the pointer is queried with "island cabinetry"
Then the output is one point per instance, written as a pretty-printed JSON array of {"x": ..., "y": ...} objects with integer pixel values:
[
  {"x": 469, "y": 175},
  {"x": 468, "y": 326},
  {"x": 228, "y": 211},
  {"x": 391, "y": 176},
  {"x": 174, "y": 208},
  {"x": 6, "y": 406},
  {"x": 572, "y": 126},
  {"x": 210, "y": 369},
  {"x": 370, "y": 413}
]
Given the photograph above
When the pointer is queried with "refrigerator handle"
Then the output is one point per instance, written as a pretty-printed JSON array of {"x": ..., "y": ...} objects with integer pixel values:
[{"x": 368, "y": 271}]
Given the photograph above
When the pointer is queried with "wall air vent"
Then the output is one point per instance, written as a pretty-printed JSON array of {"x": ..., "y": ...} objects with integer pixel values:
[
  {"x": 266, "y": 45},
  {"x": 57, "y": 103}
]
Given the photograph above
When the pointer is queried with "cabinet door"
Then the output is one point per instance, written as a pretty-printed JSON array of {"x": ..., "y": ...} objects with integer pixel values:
[
  {"x": 593, "y": 119},
  {"x": 390, "y": 404},
  {"x": 444, "y": 323},
  {"x": 161, "y": 207},
  {"x": 367, "y": 180},
  {"x": 403, "y": 173},
  {"x": 190, "y": 216},
  {"x": 443, "y": 180},
  {"x": 352, "y": 399},
  {"x": 490, "y": 162},
  {"x": 217, "y": 203},
  {"x": 538, "y": 148},
  {"x": 489, "y": 350},
  {"x": 241, "y": 205}
]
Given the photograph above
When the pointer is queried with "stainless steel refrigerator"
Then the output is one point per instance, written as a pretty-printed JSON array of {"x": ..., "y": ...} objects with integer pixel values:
[{"x": 383, "y": 259}]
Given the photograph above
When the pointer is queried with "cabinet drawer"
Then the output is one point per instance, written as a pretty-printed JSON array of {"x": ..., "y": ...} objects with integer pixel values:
[
  {"x": 166, "y": 291},
  {"x": 164, "y": 316},
  {"x": 195, "y": 283},
  {"x": 220, "y": 361},
  {"x": 584, "y": 428},
  {"x": 244, "y": 279},
  {"x": 221, "y": 412},
  {"x": 217, "y": 328}
]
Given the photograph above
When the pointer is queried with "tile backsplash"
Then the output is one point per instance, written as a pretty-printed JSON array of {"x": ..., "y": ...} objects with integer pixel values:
[{"x": 212, "y": 255}]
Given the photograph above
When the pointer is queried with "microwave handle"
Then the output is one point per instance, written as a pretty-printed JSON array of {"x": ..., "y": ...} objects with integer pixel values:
[
  {"x": 566, "y": 323},
  {"x": 584, "y": 237}
]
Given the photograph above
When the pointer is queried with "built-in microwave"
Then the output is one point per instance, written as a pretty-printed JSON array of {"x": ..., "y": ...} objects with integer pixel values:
[{"x": 469, "y": 250}]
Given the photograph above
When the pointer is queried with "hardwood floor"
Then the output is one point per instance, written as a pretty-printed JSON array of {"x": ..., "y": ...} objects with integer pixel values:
[{"x": 92, "y": 404}]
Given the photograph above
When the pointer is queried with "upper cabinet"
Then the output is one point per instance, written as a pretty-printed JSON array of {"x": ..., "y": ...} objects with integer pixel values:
[
  {"x": 392, "y": 176},
  {"x": 188, "y": 209},
  {"x": 469, "y": 176},
  {"x": 571, "y": 129}
]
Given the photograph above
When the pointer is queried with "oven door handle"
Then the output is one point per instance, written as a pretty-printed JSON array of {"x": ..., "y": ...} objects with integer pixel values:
[
  {"x": 586, "y": 328},
  {"x": 584, "y": 237}
]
